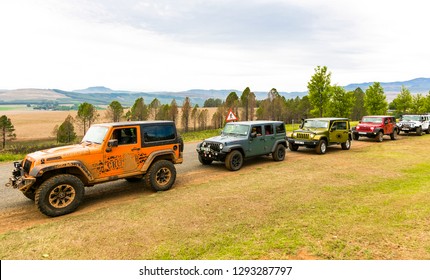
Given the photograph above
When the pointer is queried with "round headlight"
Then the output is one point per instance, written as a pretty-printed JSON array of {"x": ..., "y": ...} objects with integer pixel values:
[
  {"x": 203, "y": 144},
  {"x": 312, "y": 135},
  {"x": 221, "y": 146}
]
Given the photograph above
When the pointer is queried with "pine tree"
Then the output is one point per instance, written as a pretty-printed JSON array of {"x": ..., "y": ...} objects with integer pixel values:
[{"x": 6, "y": 130}]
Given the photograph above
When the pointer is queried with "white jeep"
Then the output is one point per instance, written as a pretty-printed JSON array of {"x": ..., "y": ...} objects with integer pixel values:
[{"x": 415, "y": 123}]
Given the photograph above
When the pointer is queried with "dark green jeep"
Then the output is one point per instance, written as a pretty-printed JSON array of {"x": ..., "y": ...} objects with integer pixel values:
[
  {"x": 241, "y": 140},
  {"x": 319, "y": 133}
]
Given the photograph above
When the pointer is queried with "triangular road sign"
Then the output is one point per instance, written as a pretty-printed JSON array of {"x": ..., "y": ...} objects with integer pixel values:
[{"x": 231, "y": 116}]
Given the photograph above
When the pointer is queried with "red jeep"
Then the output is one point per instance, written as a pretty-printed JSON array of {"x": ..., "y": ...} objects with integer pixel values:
[{"x": 376, "y": 127}]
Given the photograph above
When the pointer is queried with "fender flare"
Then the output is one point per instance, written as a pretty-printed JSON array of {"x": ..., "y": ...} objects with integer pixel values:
[{"x": 39, "y": 170}]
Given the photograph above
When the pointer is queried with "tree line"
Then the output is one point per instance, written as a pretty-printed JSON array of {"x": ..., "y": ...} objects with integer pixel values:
[{"x": 323, "y": 100}]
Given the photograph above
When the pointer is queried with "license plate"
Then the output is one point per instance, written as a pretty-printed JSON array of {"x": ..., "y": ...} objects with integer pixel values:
[
  {"x": 362, "y": 133},
  {"x": 299, "y": 142},
  {"x": 206, "y": 149},
  {"x": 405, "y": 128}
]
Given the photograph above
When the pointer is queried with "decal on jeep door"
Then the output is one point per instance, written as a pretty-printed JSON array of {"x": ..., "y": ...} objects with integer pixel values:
[{"x": 116, "y": 162}]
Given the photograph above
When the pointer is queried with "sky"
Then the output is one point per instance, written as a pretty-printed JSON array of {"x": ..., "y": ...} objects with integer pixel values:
[{"x": 174, "y": 45}]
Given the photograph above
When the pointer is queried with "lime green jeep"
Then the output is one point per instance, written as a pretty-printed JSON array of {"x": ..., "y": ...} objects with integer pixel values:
[{"x": 319, "y": 133}]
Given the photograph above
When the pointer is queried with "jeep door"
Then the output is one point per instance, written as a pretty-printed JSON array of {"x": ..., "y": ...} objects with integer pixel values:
[
  {"x": 269, "y": 138},
  {"x": 339, "y": 132},
  {"x": 124, "y": 158},
  {"x": 257, "y": 143},
  {"x": 388, "y": 126}
]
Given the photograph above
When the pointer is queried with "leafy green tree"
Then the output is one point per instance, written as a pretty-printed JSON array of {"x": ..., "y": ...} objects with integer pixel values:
[
  {"x": 173, "y": 115},
  {"x": 418, "y": 104},
  {"x": 403, "y": 102},
  {"x": 211, "y": 102},
  {"x": 232, "y": 102},
  {"x": 7, "y": 130},
  {"x": 66, "y": 131},
  {"x": 87, "y": 114},
  {"x": 341, "y": 102},
  {"x": 375, "y": 100},
  {"x": 358, "y": 110},
  {"x": 186, "y": 111},
  {"x": 139, "y": 111},
  {"x": 195, "y": 116},
  {"x": 252, "y": 104},
  {"x": 427, "y": 103},
  {"x": 203, "y": 119},
  {"x": 154, "y": 107},
  {"x": 319, "y": 90},
  {"x": 244, "y": 100},
  {"x": 114, "y": 111}
]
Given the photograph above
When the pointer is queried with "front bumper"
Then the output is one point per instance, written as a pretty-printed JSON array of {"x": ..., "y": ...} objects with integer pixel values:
[
  {"x": 207, "y": 153},
  {"x": 19, "y": 180},
  {"x": 303, "y": 142},
  {"x": 365, "y": 134}
]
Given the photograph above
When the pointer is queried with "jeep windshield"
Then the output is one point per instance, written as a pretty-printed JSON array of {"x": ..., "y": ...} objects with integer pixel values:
[
  {"x": 315, "y": 124},
  {"x": 236, "y": 129},
  {"x": 96, "y": 134},
  {"x": 371, "y": 120},
  {"x": 411, "y": 118}
]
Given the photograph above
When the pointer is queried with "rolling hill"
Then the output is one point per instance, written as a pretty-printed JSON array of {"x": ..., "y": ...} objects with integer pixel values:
[{"x": 103, "y": 96}]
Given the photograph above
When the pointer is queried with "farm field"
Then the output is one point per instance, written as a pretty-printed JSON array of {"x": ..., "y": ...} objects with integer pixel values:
[{"x": 371, "y": 202}]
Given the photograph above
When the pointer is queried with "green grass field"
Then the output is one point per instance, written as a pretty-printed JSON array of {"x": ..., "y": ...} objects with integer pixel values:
[{"x": 371, "y": 202}]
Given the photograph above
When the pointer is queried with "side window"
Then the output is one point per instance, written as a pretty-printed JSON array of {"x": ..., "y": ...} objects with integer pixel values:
[
  {"x": 257, "y": 129},
  {"x": 125, "y": 135},
  {"x": 280, "y": 128},
  {"x": 339, "y": 126},
  {"x": 158, "y": 133},
  {"x": 268, "y": 129}
]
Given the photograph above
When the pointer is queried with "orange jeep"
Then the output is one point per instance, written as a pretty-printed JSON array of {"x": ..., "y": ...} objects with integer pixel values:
[{"x": 55, "y": 178}]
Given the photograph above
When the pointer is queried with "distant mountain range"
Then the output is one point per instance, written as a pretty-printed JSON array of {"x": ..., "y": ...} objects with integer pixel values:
[{"x": 103, "y": 96}]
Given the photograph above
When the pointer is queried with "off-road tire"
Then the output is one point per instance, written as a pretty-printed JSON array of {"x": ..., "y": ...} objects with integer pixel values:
[
  {"x": 279, "y": 153},
  {"x": 321, "y": 147},
  {"x": 393, "y": 135},
  {"x": 428, "y": 130},
  {"x": 346, "y": 145},
  {"x": 161, "y": 175},
  {"x": 355, "y": 136},
  {"x": 419, "y": 131},
  {"x": 59, "y": 195},
  {"x": 234, "y": 160},
  {"x": 380, "y": 136},
  {"x": 204, "y": 161},
  {"x": 293, "y": 147}
]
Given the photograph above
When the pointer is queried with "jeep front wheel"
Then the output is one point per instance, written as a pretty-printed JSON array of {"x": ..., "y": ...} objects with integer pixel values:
[
  {"x": 419, "y": 131},
  {"x": 380, "y": 136},
  {"x": 346, "y": 145},
  {"x": 161, "y": 175},
  {"x": 322, "y": 147},
  {"x": 234, "y": 160},
  {"x": 59, "y": 195},
  {"x": 279, "y": 153}
]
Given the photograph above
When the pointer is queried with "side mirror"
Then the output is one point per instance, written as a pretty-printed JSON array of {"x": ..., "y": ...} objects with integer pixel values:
[{"x": 111, "y": 143}]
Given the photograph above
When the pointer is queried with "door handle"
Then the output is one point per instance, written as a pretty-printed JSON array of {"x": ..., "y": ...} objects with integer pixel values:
[{"x": 135, "y": 149}]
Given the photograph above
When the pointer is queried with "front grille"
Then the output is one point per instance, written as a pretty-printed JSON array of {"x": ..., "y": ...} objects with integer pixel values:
[
  {"x": 303, "y": 135},
  {"x": 27, "y": 166},
  {"x": 213, "y": 146}
]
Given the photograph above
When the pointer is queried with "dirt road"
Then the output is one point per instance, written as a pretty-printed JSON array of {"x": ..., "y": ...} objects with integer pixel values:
[{"x": 18, "y": 212}]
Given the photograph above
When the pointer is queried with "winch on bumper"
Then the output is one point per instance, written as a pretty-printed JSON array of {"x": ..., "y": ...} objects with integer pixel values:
[
  {"x": 212, "y": 151},
  {"x": 18, "y": 179}
]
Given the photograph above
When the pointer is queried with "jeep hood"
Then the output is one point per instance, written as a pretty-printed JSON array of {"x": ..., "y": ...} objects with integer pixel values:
[
  {"x": 311, "y": 130},
  {"x": 225, "y": 138},
  {"x": 60, "y": 152}
]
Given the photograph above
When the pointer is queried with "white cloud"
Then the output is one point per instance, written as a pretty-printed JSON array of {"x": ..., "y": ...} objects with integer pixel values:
[{"x": 179, "y": 45}]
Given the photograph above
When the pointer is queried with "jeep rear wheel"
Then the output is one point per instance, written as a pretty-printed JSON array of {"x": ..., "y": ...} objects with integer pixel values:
[
  {"x": 161, "y": 175},
  {"x": 204, "y": 161},
  {"x": 234, "y": 160},
  {"x": 279, "y": 153},
  {"x": 293, "y": 147},
  {"x": 346, "y": 145},
  {"x": 322, "y": 147},
  {"x": 393, "y": 136},
  {"x": 380, "y": 136},
  {"x": 59, "y": 195}
]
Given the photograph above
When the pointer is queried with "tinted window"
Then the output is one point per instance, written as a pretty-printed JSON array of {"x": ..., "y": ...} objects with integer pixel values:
[
  {"x": 158, "y": 133},
  {"x": 280, "y": 128}
]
